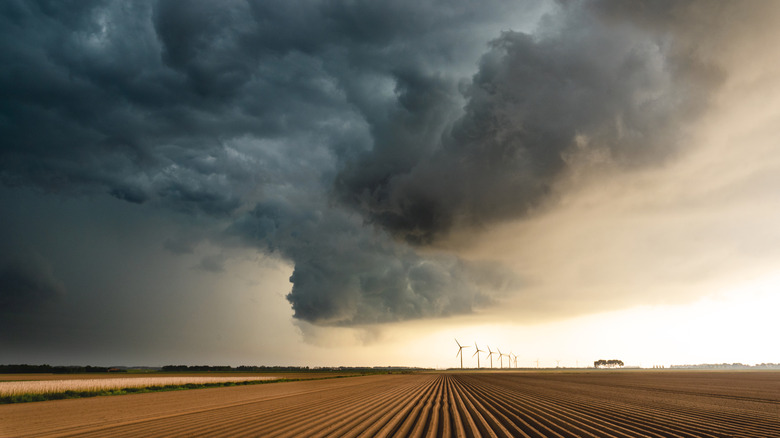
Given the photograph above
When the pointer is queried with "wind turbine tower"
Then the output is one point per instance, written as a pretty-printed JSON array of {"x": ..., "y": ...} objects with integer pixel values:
[
  {"x": 460, "y": 352},
  {"x": 501, "y": 357},
  {"x": 490, "y": 355},
  {"x": 476, "y": 353}
]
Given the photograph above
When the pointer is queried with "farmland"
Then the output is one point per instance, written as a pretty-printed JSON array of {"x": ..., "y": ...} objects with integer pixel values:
[
  {"x": 551, "y": 403},
  {"x": 48, "y": 386}
]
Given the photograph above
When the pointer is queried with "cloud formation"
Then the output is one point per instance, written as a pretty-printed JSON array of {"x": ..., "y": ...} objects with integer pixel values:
[
  {"x": 347, "y": 138},
  {"x": 27, "y": 285},
  {"x": 582, "y": 89}
]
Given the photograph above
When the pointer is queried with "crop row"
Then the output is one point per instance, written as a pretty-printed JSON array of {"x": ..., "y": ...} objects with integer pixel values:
[
  {"x": 89, "y": 385},
  {"x": 517, "y": 404}
]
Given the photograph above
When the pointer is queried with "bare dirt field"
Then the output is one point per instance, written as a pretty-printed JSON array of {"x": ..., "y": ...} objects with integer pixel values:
[{"x": 541, "y": 404}]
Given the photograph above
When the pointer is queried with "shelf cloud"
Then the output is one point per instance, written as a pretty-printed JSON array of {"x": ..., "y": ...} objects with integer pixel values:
[{"x": 351, "y": 140}]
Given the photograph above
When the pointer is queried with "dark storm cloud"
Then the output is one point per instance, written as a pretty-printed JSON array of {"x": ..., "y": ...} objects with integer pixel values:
[
  {"x": 27, "y": 285},
  {"x": 212, "y": 263},
  {"x": 347, "y": 274},
  {"x": 334, "y": 133},
  {"x": 138, "y": 100},
  {"x": 582, "y": 87},
  {"x": 179, "y": 245}
]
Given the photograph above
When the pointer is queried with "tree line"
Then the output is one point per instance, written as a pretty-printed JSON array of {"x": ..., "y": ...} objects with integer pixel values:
[
  {"x": 38, "y": 369},
  {"x": 611, "y": 363},
  {"x": 266, "y": 369},
  {"x": 228, "y": 368}
]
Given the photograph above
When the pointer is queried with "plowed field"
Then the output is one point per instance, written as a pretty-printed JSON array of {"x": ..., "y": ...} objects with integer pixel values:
[{"x": 536, "y": 404}]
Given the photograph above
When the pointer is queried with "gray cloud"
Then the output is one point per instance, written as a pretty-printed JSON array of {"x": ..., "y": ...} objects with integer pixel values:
[
  {"x": 581, "y": 87},
  {"x": 348, "y": 274},
  {"x": 27, "y": 286},
  {"x": 212, "y": 263},
  {"x": 179, "y": 245},
  {"x": 335, "y": 134}
]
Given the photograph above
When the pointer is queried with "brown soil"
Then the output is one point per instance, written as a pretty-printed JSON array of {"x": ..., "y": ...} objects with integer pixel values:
[{"x": 530, "y": 404}]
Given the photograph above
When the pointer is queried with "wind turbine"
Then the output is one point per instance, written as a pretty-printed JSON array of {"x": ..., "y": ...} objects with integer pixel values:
[
  {"x": 476, "y": 353},
  {"x": 501, "y": 357},
  {"x": 491, "y": 356},
  {"x": 510, "y": 359},
  {"x": 460, "y": 350}
]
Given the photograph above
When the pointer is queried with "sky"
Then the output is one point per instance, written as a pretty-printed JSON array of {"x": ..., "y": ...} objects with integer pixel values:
[{"x": 360, "y": 183}]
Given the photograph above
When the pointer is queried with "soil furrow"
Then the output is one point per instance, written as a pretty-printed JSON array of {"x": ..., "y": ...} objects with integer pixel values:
[
  {"x": 568, "y": 421},
  {"x": 445, "y": 425},
  {"x": 497, "y": 404},
  {"x": 211, "y": 420},
  {"x": 229, "y": 422},
  {"x": 359, "y": 410},
  {"x": 456, "y": 418},
  {"x": 512, "y": 419},
  {"x": 587, "y": 406},
  {"x": 237, "y": 419},
  {"x": 379, "y": 412},
  {"x": 195, "y": 420},
  {"x": 386, "y": 416},
  {"x": 486, "y": 411},
  {"x": 429, "y": 420},
  {"x": 393, "y": 427},
  {"x": 417, "y": 419},
  {"x": 63, "y": 417},
  {"x": 518, "y": 426},
  {"x": 487, "y": 424},
  {"x": 335, "y": 410},
  {"x": 570, "y": 424},
  {"x": 669, "y": 419},
  {"x": 597, "y": 427}
]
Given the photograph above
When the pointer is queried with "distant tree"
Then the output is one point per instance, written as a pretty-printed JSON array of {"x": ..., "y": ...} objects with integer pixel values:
[{"x": 611, "y": 363}]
